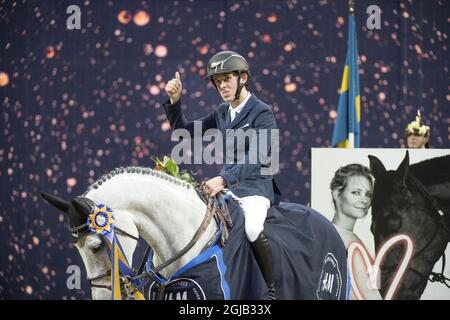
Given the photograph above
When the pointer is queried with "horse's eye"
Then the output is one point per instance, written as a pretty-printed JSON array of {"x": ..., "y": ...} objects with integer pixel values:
[
  {"x": 98, "y": 247},
  {"x": 394, "y": 223}
]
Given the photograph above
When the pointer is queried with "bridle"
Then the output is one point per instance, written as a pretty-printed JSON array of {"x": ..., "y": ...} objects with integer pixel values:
[
  {"x": 439, "y": 216},
  {"x": 216, "y": 208},
  {"x": 100, "y": 276},
  {"x": 82, "y": 231}
]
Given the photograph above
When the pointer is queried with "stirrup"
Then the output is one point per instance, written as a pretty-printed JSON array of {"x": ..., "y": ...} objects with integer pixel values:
[{"x": 271, "y": 291}]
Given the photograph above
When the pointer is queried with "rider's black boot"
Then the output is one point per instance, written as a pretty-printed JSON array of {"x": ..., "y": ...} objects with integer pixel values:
[{"x": 263, "y": 255}]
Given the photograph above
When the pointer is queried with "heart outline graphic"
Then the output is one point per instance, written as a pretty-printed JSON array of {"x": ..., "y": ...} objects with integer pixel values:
[{"x": 374, "y": 267}]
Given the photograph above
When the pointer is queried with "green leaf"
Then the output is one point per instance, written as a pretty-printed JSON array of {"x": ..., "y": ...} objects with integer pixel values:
[
  {"x": 171, "y": 165},
  {"x": 185, "y": 176}
]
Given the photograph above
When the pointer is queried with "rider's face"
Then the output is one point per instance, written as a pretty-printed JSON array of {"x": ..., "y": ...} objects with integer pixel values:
[{"x": 227, "y": 85}]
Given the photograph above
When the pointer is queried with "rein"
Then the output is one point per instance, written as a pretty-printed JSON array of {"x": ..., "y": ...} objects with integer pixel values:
[
  {"x": 440, "y": 216},
  {"x": 439, "y": 213},
  {"x": 439, "y": 277},
  {"x": 217, "y": 209}
]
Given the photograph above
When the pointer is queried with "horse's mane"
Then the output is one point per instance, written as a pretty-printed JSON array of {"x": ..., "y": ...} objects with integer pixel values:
[
  {"x": 138, "y": 170},
  {"x": 432, "y": 171}
]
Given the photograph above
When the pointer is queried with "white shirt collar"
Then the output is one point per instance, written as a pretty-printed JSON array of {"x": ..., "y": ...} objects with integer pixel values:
[{"x": 241, "y": 105}]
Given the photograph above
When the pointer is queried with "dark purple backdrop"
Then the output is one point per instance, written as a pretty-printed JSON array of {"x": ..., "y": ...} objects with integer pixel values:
[{"x": 77, "y": 103}]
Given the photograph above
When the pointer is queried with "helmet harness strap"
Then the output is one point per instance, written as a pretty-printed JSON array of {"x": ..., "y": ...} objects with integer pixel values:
[{"x": 239, "y": 87}]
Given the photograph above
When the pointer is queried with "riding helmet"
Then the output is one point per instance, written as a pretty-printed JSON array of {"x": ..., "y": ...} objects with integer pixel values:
[
  {"x": 228, "y": 61},
  {"x": 224, "y": 62}
]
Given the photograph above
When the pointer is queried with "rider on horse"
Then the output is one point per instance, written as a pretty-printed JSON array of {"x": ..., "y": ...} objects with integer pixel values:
[{"x": 256, "y": 192}]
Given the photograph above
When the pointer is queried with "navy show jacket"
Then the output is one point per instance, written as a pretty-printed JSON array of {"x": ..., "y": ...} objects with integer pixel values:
[{"x": 243, "y": 179}]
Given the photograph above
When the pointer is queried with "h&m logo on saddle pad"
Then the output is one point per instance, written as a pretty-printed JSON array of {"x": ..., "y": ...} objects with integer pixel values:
[
  {"x": 178, "y": 289},
  {"x": 330, "y": 280}
]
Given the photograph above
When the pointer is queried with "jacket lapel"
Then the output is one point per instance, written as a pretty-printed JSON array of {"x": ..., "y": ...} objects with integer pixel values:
[
  {"x": 227, "y": 117},
  {"x": 241, "y": 115}
]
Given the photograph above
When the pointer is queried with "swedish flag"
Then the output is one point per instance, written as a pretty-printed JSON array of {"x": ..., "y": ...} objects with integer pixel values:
[{"x": 346, "y": 130}]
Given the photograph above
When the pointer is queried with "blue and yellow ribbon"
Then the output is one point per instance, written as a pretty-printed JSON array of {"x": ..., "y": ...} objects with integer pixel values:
[{"x": 101, "y": 222}]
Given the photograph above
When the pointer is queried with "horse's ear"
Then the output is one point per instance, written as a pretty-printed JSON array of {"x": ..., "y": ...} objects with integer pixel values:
[
  {"x": 56, "y": 202},
  {"x": 376, "y": 166},
  {"x": 82, "y": 205},
  {"x": 403, "y": 168}
]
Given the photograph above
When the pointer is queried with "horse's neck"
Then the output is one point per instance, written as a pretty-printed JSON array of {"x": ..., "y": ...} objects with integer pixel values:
[
  {"x": 166, "y": 215},
  {"x": 440, "y": 191}
]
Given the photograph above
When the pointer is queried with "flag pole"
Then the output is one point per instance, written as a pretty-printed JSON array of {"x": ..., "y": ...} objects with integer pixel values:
[
  {"x": 346, "y": 130},
  {"x": 351, "y": 135},
  {"x": 351, "y": 140}
]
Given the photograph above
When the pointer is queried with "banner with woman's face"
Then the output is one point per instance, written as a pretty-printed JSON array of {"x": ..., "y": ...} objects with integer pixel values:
[{"x": 395, "y": 207}]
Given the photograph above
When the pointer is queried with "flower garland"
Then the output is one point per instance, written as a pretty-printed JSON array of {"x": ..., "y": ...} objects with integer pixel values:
[{"x": 169, "y": 166}]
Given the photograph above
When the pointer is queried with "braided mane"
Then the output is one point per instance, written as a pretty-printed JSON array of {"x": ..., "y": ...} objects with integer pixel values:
[{"x": 137, "y": 170}]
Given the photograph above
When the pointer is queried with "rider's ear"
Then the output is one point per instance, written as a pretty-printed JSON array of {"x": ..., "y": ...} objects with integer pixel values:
[
  {"x": 58, "y": 203},
  {"x": 244, "y": 77}
]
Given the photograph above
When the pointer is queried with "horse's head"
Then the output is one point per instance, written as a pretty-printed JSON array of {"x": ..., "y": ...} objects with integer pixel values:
[
  {"x": 90, "y": 246},
  {"x": 398, "y": 207}
]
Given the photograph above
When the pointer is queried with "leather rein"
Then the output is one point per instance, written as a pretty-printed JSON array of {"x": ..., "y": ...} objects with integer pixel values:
[
  {"x": 439, "y": 215},
  {"x": 215, "y": 208}
]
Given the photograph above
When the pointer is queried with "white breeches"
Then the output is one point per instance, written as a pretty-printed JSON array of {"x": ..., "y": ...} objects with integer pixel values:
[{"x": 255, "y": 213}]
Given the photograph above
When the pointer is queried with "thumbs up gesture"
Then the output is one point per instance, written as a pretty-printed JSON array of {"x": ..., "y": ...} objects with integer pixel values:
[{"x": 174, "y": 88}]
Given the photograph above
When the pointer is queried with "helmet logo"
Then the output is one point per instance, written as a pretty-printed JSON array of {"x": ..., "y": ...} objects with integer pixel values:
[{"x": 214, "y": 65}]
